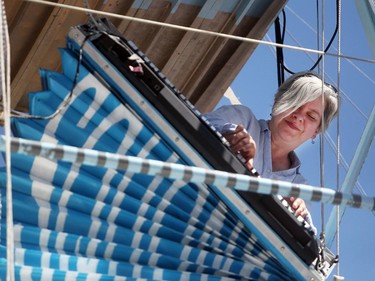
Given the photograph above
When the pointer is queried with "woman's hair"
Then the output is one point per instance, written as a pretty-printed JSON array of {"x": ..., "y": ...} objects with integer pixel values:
[{"x": 302, "y": 88}]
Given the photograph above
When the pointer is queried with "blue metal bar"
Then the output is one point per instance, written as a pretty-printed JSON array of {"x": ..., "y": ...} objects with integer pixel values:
[
  {"x": 353, "y": 173},
  {"x": 366, "y": 12}
]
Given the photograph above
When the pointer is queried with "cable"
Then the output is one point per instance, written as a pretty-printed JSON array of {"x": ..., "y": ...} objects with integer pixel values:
[
  {"x": 66, "y": 101},
  {"x": 325, "y": 49},
  {"x": 342, "y": 92},
  {"x": 279, "y": 38}
]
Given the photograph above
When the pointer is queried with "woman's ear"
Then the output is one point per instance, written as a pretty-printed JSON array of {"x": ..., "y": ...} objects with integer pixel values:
[
  {"x": 315, "y": 134},
  {"x": 318, "y": 131}
]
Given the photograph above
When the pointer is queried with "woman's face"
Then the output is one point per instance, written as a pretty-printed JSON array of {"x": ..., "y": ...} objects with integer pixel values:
[{"x": 296, "y": 127}]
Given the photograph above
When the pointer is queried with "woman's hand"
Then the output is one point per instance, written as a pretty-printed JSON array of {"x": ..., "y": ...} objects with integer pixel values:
[
  {"x": 299, "y": 206},
  {"x": 242, "y": 143}
]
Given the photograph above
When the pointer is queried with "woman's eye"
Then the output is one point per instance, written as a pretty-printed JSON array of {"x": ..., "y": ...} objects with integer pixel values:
[{"x": 312, "y": 117}]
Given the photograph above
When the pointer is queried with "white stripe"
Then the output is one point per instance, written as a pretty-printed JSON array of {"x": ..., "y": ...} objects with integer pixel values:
[
  {"x": 125, "y": 182},
  {"x": 112, "y": 268},
  {"x": 246, "y": 270},
  {"x": 61, "y": 218},
  {"x": 217, "y": 261},
  {"x": 228, "y": 263},
  {"x": 137, "y": 272},
  {"x": 143, "y": 209},
  {"x": 158, "y": 274},
  {"x": 65, "y": 197},
  {"x": 109, "y": 250},
  {"x": 154, "y": 244},
  {"x": 90, "y": 265},
  {"x": 201, "y": 257},
  {"x": 154, "y": 229},
  {"x": 113, "y": 214},
  {"x": 108, "y": 176},
  {"x": 17, "y": 232},
  {"x": 117, "y": 201},
  {"x": 139, "y": 221},
  {"x": 185, "y": 253},
  {"x": 136, "y": 241},
  {"x": 26, "y": 273},
  {"x": 154, "y": 258},
  {"x": 46, "y": 259},
  {"x": 70, "y": 275},
  {"x": 43, "y": 217},
  {"x": 111, "y": 231},
  {"x": 19, "y": 256},
  {"x": 134, "y": 257},
  {"x": 43, "y": 168},
  {"x": 71, "y": 177},
  {"x": 98, "y": 207},
  {"x": 91, "y": 247},
  {"x": 148, "y": 147},
  {"x": 94, "y": 228},
  {"x": 44, "y": 238},
  {"x": 41, "y": 190},
  {"x": 60, "y": 241},
  {"x": 63, "y": 262},
  {"x": 103, "y": 192}
]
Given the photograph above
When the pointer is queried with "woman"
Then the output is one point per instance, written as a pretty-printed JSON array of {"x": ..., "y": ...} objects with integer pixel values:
[{"x": 299, "y": 113}]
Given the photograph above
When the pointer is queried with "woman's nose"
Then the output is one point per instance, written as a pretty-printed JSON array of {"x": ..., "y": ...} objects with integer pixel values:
[{"x": 297, "y": 116}]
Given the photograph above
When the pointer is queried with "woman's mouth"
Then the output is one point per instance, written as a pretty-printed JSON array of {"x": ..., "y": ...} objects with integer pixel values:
[{"x": 292, "y": 125}]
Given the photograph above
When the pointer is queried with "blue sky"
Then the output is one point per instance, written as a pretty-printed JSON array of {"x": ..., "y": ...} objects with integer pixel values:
[{"x": 257, "y": 83}]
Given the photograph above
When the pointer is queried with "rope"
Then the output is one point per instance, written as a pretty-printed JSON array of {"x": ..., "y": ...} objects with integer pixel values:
[
  {"x": 5, "y": 94},
  {"x": 244, "y": 39},
  {"x": 195, "y": 175},
  {"x": 338, "y": 135},
  {"x": 322, "y": 236}
]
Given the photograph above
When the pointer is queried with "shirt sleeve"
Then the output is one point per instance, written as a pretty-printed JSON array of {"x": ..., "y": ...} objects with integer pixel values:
[
  {"x": 231, "y": 114},
  {"x": 309, "y": 220}
]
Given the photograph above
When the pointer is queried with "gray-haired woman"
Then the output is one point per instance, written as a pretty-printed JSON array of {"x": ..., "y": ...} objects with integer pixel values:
[{"x": 299, "y": 113}]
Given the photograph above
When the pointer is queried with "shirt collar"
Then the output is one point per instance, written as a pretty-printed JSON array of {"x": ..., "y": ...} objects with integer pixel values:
[
  {"x": 264, "y": 125},
  {"x": 296, "y": 163}
]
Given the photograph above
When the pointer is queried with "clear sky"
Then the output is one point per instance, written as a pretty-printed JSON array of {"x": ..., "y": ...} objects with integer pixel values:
[{"x": 257, "y": 83}]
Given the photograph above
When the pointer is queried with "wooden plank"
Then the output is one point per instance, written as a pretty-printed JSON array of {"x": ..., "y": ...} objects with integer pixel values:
[
  {"x": 214, "y": 92},
  {"x": 48, "y": 29},
  {"x": 195, "y": 63}
]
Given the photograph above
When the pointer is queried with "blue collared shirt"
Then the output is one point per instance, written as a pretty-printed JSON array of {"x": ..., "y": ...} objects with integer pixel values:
[{"x": 260, "y": 132}]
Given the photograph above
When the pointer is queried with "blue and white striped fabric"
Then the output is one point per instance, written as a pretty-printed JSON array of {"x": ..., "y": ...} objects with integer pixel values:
[{"x": 75, "y": 222}]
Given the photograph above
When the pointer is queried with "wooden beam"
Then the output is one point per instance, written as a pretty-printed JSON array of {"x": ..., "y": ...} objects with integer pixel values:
[
  {"x": 214, "y": 92},
  {"x": 40, "y": 32}
]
